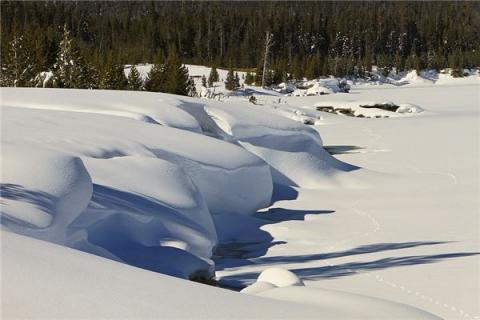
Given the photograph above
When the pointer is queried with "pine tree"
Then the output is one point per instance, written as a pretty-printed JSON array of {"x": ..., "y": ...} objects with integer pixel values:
[
  {"x": 204, "y": 81},
  {"x": 249, "y": 79},
  {"x": 213, "y": 76},
  {"x": 156, "y": 77},
  {"x": 177, "y": 75},
  {"x": 70, "y": 69},
  {"x": 19, "y": 69},
  {"x": 114, "y": 78},
  {"x": 191, "y": 89},
  {"x": 135, "y": 82},
  {"x": 237, "y": 81},
  {"x": 259, "y": 74},
  {"x": 230, "y": 81}
]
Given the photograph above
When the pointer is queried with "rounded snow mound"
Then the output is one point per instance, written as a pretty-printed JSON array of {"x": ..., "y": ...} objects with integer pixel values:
[
  {"x": 42, "y": 191},
  {"x": 280, "y": 278},
  {"x": 258, "y": 287}
]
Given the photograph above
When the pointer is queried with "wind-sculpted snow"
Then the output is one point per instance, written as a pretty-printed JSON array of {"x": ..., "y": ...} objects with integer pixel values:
[
  {"x": 42, "y": 191},
  {"x": 293, "y": 150},
  {"x": 143, "y": 106},
  {"x": 154, "y": 187},
  {"x": 150, "y": 223}
]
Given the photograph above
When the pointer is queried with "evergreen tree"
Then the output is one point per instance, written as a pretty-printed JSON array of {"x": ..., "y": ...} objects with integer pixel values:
[
  {"x": 70, "y": 69},
  {"x": 213, "y": 76},
  {"x": 230, "y": 81},
  {"x": 114, "y": 78},
  {"x": 249, "y": 79},
  {"x": 237, "y": 81},
  {"x": 204, "y": 81},
  {"x": 259, "y": 73},
  {"x": 135, "y": 82},
  {"x": 19, "y": 68},
  {"x": 341, "y": 37},
  {"x": 176, "y": 81},
  {"x": 191, "y": 89},
  {"x": 156, "y": 78}
]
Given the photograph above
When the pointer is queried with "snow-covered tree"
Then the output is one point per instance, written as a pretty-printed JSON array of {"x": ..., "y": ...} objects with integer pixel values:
[
  {"x": 70, "y": 70},
  {"x": 191, "y": 89},
  {"x": 19, "y": 67},
  {"x": 135, "y": 82}
]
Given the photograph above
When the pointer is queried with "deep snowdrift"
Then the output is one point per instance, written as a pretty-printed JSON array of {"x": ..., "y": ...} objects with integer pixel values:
[
  {"x": 157, "y": 189},
  {"x": 42, "y": 191},
  {"x": 144, "y": 106},
  {"x": 154, "y": 187},
  {"x": 293, "y": 150}
]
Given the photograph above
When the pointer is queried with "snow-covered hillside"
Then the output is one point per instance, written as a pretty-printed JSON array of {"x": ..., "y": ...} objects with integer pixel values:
[{"x": 387, "y": 227}]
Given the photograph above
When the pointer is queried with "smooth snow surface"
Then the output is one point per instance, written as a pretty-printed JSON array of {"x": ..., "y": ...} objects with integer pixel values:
[{"x": 411, "y": 234}]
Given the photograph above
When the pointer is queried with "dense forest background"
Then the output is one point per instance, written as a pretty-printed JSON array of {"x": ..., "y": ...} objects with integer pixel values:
[{"x": 310, "y": 39}]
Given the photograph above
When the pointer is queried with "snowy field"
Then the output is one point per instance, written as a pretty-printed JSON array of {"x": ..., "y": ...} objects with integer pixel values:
[{"x": 108, "y": 194}]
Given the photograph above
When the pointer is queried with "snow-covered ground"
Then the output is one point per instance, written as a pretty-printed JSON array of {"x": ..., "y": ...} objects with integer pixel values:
[
  {"x": 388, "y": 227},
  {"x": 411, "y": 234}
]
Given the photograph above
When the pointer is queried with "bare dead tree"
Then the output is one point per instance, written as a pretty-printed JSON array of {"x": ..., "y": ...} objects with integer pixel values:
[{"x": 268, "y": 44}]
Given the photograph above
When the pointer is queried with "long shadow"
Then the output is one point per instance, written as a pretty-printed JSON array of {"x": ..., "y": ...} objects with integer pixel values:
[
  {"x": 372, "y": 248},
  {"x": 43, "y": 201},
  {"x": 343, "y": 149},
  {"x": 239, "y": 281},
  {"x": 251, "y": 241}
]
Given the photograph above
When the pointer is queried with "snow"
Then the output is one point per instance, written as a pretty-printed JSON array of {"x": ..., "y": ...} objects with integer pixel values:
[
  {"x": 155, "y": 188},
  {"x": 42, "y": 280},
  {"x": 369, "y": 109},
  {"x": 143, "y": 106},
  {"x": 279, "y": 277},
  {"x": 44, "y": 192},
  {"x": 284, "y": 285},
  {"x": 347, "y": 305},
  {"x": 386, "y": 227},
  {"x": 410, "y": 234}
]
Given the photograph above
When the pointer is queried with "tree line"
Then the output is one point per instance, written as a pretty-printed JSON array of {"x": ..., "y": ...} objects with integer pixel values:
[{"x": 308, "y": 39}]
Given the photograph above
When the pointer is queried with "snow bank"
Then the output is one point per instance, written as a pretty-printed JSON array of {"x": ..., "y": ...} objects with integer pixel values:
[
  {"x": 368, "y": 109},
  {"x": 46, "y": 281},
  {"x": 317, "y": 87},
  {"x": 237, "y": 183},
  {"x": 293, "y": 150},
  {"x": 144, "y": 106},
  {"x": 148, "y": 213},
  {"x": 42, "y": 191},
  {"x": 154, "y": 187}
]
